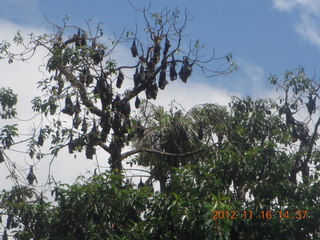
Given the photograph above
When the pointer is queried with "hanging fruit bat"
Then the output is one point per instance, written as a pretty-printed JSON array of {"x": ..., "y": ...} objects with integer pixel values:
[
  {"x": 60, "y": 85},
  {"x": 77, "y": 107},
  {"x": 89, "y": 79},
  {"x": 289, "y": 118},
  {"x": 83, "y": 39},
  {"x": 92, "y": 139},
  {"x": 162, "y": 80},
  {"x": 120, "y": 79},
  {"x": 69, "y": 107},
  {"x": 142, "y": 74},
  {"x": 71, "y": 144},
  {"x": 116, "y": 103},
  {"x": 105, "y": 123},
  {"x": 125, "y": 108},
  {"x": 40, "y": 138},
  {"x": 31, "y": 153},
  {"x": 116, "y": 121},
  {"x": 52, "y": 108},
  {"x": 154, "y": 91},
  {"x": 141, "y": 184},
  {"x": 94, "y": 133},
  {"x": 31, "y": 177},
  {"x": 311, "y": 104},
  {"x": 137, "y": 102},
  {"x": 166, "y": 46},
  {"x": 106, "y": 97},
  {"x": 114, "y": 149},
  {"x": 76, "y": 121},
  {"x": 134, "y": 50},
  {"x": 1, "y": 157},
  {"x": 90, "y": 151},
  {"x": 136, "y": 78},
  {"x": 148, "y": 92},
  {"x": 156, "y": 54},
  {"x": 105, "y": 119},
  {"x": 77, "y": 39},
  {"x": 186, "y": 70},
  {"x": 105, "y": 132},
  {"x": 99, "y": 88},
  {"x": 84, "y": 127},
  {"x": 173, "y": 73},
  {"x": 97, "y": 57},
  {"x": 105, "y": 92}
]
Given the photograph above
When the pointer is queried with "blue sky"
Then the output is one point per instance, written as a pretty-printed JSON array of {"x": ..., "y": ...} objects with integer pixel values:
[
  {"x": 266, "y": 37},
  {"x": 271, "y": 34}
]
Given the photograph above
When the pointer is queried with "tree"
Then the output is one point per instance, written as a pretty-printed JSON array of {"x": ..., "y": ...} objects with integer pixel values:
[
  {"x": 81, "y": 83},
  {"x": 224, "y": 173}
]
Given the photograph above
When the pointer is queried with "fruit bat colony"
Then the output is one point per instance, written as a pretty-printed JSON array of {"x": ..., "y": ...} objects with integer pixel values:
[{"x": 85, "y": 79}]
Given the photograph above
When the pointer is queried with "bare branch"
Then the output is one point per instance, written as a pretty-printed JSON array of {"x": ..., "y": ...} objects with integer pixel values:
[{"x": 153, "y": 151}]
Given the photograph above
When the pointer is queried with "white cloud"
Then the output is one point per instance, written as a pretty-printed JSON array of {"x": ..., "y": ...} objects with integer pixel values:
[
  {"x": 308, "y": 12},
  {"x": 284, "y": 5},
  {"x": 191, "y": 94},
  {"x": 310, "y": 6},
  {"x": 255, "y": 76},
  {"x": 309, "y": 30},
  {"x": 251, "y": 79}
]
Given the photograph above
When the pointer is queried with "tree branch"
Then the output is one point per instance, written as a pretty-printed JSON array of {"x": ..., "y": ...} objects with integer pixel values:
[
  {"x": 153, "y": 151},
  {"x": 104, "y": 147}
]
